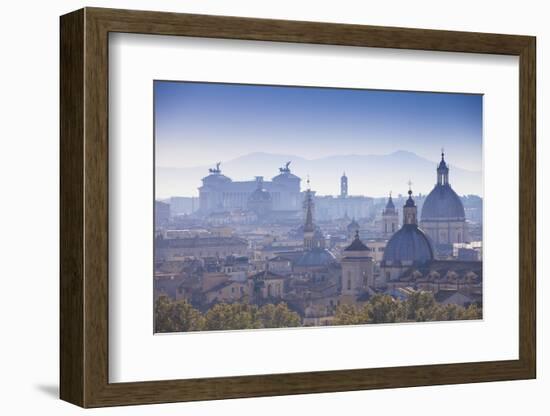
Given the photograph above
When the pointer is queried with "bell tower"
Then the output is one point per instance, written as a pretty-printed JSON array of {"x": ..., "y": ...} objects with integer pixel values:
[
  {"x": 390, "y": 219},
  {"x": 344, "y": 186},
  {"x": 357, "y": 268},
  {"x": 409, "y": 210}
]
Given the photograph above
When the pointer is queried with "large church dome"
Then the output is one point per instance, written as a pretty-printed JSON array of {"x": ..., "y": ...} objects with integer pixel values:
[
  {"x": 408, "y": 245},
  {"x": 442, "y": 203},
  {"x": 316, "y": 257}
]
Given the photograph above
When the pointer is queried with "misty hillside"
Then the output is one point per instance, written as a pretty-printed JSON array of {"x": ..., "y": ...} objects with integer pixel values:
[{"x": 372, "y": 175}]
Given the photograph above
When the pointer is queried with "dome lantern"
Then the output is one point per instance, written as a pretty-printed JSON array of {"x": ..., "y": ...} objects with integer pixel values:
[
  {"x": 409, "y": 209},
  {"x": 443, "y": 171}
]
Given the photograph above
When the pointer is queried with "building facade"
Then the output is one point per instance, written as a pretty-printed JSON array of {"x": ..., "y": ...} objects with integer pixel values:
[
  {"x": 220, "y": 193},
  {"x": 199, "y": 246}
]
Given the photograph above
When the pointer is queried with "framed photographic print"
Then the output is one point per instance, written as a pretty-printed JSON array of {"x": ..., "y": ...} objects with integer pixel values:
[{"x": 255, "y": 207}]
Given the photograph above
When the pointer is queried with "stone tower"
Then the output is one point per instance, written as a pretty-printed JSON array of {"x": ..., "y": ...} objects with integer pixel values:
[
  {"x": 357, "y": 268},
  {"x": 343, "y": 186}
]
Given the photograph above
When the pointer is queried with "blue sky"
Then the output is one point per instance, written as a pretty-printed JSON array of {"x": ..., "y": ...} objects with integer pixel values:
[{"x": 197, "y": 124}]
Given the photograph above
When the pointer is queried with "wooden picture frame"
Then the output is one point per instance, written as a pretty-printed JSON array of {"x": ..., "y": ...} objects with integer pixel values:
[{"x": 84, "y": 207}]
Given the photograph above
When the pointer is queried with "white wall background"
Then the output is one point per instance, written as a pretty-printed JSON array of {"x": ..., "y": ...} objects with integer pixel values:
[{"x": 29, "y": 158}]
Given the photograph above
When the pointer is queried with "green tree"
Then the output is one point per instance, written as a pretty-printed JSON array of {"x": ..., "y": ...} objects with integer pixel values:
[
  {"x": 472, "y": 312},
  {"x": 278, "y": 316},
  {"x": 351, "y": 315},
  {"x": 420, "y": 306},
  {"x": 448, "y": 312},
  {"x": 224, "y": 316},
  {"x": 176, "y": 316},
  {"x": 163, "y": 318},
  {"x": 385, "y": 309}
]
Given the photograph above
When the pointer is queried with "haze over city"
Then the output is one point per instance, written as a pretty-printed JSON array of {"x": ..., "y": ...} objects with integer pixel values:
[
  {"x": 373, "y": 175},
  {"x": 199, "y": 124}
]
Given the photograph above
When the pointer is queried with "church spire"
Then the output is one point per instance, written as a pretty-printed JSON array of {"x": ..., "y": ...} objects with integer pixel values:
[
  {"x": 312, "y": 238},
  {"x": 308, "y": 226},
  {"x": 389, "y": 205}
]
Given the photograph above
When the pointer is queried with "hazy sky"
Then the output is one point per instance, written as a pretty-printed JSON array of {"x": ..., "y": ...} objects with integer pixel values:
[{"x": 198, "y": 124}]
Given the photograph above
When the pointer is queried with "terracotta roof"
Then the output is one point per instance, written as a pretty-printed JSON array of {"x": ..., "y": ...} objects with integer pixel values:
[
  {"x": 200, "y": 242},
  {"x": 266, "y": 275}
]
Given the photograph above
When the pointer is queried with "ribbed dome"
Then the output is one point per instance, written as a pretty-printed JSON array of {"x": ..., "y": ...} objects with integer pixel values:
[
  {"x": 316, "y": 257},
  {"x": 442, "y": 203},
  {"x": 409, "y": 244}
]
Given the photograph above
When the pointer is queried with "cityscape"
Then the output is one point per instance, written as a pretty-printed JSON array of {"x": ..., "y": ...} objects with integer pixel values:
[{"x": 275, "y": 252}]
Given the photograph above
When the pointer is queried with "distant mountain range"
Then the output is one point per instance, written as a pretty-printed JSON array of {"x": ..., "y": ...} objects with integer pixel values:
[{"x": 371, "y": 175}]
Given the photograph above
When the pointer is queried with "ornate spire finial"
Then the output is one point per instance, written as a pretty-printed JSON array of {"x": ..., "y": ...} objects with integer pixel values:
[
  {"x": 307, "y": 181},
  {"x": 442, "y": 153},
  {"x": 410, "y": 184}
]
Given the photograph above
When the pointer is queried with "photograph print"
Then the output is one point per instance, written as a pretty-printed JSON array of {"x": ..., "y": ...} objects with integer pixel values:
[{"x": 289, "y": 206}]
